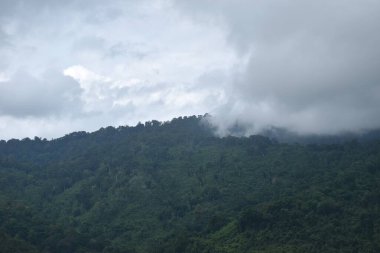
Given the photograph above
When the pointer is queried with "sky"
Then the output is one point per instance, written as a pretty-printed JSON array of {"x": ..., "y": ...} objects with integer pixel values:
[{"x": 79, "y": 65}]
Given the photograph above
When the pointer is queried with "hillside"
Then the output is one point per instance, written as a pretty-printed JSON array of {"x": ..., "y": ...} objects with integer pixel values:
[{"x": 175, "y": 187}]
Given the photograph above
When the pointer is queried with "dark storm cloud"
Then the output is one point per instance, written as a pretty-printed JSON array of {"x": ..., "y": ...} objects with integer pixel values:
[
  {"x": 25, "y": 95},
  {"x": 312, "y": 65}
]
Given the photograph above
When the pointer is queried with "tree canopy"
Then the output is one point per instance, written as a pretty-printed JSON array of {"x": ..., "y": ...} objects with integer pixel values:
[{"x": 175, "y": 187}]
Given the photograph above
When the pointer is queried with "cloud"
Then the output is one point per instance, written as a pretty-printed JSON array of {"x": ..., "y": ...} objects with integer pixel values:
[
  {"x": 312, "y": 66},
  {"x": 79, "y": 65},
  {"x": 136, "y": 98},
  {"x": 54, "y": 94},
  {"x": 89, "y": 64}
]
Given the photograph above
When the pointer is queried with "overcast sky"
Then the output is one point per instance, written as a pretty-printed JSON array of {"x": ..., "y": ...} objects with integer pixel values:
[{"x": 309, "y": 66}]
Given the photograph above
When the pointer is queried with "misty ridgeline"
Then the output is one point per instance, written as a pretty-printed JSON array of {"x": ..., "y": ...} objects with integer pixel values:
[{"x": 176, "y": 187}]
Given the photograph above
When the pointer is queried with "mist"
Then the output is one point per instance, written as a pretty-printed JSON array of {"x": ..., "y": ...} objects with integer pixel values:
[{"x": 309, "y": 67}]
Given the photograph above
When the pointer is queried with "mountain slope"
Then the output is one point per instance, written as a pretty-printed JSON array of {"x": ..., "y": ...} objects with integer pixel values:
[{"x": 174, "y": 187}]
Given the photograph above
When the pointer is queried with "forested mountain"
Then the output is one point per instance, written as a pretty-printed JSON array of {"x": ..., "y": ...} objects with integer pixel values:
[{"x": 175, "y": 187}]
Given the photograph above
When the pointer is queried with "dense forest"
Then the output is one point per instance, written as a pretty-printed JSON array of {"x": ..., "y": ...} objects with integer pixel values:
[{"x": 174, "y": 187}]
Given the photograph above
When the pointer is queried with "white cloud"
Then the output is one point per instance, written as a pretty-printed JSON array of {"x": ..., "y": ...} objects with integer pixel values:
[{"x": 130, "y": 61}]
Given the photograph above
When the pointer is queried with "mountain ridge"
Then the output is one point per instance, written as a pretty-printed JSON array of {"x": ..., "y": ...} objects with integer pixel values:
[{"x": 175, "y": 187}]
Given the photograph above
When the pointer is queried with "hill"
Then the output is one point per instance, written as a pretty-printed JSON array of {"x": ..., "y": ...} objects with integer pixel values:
[{"x": 175, "y": 187}]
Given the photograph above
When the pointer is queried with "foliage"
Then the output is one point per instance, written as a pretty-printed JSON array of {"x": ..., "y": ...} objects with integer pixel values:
[{"x": 174, "y": 187}]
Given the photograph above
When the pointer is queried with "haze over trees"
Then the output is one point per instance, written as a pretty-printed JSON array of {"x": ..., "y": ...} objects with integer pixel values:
[{"x": 175, "y": 187}]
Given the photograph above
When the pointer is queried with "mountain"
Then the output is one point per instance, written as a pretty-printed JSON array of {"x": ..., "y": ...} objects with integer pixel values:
[{"x": 175, "y": 187}]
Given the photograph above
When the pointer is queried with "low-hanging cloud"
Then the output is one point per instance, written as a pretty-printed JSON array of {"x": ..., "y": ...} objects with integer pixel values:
[{"x": 312, "y": 65}]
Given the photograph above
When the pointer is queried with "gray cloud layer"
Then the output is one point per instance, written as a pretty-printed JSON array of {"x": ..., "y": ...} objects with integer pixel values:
[
  {"x": 313, "y": 65},
  {"x": 25, "y": 95},
  {"x": 309, "y": 66}
]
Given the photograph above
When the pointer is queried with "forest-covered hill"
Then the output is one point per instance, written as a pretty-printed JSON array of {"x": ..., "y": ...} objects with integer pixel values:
[{"x": 175, "y": 187}]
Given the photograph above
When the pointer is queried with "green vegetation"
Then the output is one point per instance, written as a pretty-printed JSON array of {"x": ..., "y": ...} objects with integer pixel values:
[{"x": 174, "y": 187}]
